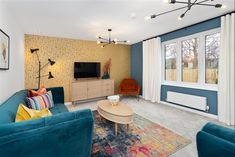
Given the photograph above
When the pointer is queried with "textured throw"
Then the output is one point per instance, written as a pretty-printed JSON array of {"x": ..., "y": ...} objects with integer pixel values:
[
  {"x": 40, "y": 102},
  {"x": 144, "y": 139}
]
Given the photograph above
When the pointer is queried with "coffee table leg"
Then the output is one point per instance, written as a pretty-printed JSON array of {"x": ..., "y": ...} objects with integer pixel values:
[
  {"x": 127, "y": 127},
  {"x": 116, "y": 128}
]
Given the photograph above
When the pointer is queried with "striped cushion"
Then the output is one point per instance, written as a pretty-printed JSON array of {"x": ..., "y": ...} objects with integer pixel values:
[{"x": 40, "y": 102}]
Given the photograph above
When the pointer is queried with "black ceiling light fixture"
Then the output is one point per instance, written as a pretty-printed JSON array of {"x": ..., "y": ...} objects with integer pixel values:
[
  {"x": 105, "y": 41},
  {"x": 189, "y": 5}
]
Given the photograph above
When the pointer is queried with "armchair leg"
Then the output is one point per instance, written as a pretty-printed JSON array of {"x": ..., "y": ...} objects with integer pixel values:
[{"x": 138, "y": 97}]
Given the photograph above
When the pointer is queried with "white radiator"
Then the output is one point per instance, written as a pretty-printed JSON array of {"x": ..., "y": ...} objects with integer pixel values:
[{"x": 191, "y": 101}]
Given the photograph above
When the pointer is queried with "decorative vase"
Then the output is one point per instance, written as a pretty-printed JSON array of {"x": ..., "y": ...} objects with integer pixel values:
[{"x": 106, "y": 75}]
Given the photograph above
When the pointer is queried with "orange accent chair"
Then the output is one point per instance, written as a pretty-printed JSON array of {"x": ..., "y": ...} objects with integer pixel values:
[{"x": 129, "y": 87}]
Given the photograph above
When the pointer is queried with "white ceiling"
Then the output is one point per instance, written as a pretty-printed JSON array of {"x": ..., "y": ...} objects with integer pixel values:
[{"x": 84, "y": 19}]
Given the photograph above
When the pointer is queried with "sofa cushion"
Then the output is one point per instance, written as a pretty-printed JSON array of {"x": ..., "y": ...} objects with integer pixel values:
[
  {"x": 40, "y": 102},
  {"x": 40, "y": 91},
  {"x": 25, "y": 113},
  {"x": 58, "y": 108}
]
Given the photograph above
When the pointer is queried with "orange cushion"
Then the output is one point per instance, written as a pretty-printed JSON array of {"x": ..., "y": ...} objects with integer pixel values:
[{"x": 40, "y": 91}]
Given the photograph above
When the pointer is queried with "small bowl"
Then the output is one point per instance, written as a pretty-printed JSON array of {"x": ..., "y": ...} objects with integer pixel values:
[{"x": 114, "y": 99}]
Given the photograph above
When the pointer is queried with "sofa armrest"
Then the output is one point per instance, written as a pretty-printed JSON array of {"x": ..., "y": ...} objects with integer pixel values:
[
  {"x": 58, "y": 94},
  {"x": 67, "y": 134},
  {"x": 210, "y": 145}
]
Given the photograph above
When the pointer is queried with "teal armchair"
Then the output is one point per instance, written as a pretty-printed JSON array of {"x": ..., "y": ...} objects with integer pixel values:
[{"x": 216, "y": 141}]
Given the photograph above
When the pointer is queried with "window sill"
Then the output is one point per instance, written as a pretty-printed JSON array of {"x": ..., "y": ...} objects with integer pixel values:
[{"x": 192, "y": 85}]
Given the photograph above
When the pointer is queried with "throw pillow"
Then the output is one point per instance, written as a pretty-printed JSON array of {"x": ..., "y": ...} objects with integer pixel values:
[
  {"x": 40, "y": 91},
  {"x": 24, "y": 113},
  {"x": 40, "y": 102}
]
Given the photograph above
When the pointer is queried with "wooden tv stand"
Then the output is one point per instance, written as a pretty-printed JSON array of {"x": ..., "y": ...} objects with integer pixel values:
[{"x": 91, "y": 88}]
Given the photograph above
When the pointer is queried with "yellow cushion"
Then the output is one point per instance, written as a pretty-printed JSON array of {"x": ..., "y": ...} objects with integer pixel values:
[{"x": 24, "y": 113}]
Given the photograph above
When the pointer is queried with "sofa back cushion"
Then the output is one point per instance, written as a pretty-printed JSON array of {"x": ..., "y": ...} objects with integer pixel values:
[
  {"x": 9, "y": 108},
  {"x": 57, "y": 94}
]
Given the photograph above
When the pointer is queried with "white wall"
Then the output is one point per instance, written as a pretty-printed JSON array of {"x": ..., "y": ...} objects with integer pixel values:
[{"x": 12, "y": 80}]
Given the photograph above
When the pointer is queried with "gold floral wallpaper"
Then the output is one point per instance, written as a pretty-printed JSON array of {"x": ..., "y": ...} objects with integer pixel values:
[{"x": 67, "y": 51}]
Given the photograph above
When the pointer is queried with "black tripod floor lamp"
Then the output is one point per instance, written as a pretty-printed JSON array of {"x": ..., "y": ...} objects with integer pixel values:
[{"x": 40, "y": 67}]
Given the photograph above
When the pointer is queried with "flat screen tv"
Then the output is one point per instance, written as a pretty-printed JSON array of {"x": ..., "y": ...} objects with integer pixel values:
[{"x": 86, "y": 69}]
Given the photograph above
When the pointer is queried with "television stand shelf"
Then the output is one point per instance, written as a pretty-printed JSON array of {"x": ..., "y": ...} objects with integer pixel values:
[{"x": 91, "y": 88}]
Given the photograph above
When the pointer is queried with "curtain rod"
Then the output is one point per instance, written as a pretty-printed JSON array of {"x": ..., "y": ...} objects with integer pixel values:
[{"x": 188, "y": 26}]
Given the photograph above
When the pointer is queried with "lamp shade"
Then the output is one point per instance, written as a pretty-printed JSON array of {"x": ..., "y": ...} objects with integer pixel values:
[
  {"x": 50, "y": 76},
  {"x": 34, "y": 50},
  {"x": 51, "y": 62}
]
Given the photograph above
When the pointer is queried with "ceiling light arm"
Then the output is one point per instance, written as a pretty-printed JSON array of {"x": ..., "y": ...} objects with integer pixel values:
[
  {"x": 199, "y": 3},
  {"x": 189, "y": 4},
  {"x": 105, "y": 45},
  {"x": 123, "y": 41},
  {"x": 182, "y": 15},
  {"x": 103, "y": 39},
  {"x": 209, "y": 5},
  {"x": 170, "y": 11}
]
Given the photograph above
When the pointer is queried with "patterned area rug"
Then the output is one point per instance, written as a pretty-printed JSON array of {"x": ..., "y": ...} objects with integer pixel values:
[{"x": 144, "y": 139}]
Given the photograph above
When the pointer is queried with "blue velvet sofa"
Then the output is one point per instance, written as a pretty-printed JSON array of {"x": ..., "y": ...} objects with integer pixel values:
[
  {"x": 216, "y": 141},
  {"x": 64, "y": 134}
]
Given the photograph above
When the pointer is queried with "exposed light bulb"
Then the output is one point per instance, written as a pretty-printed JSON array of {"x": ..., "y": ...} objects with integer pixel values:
[
  {"x": 132, "y": 15},
  {"x": 218, "y": 6},
  {"x": 171, "y": 1},
  {"x": 98, "y": 42},
  {"x": 147, "y": 17},
  {"x": 224, "y": 7},
  {"x": 97, "y": 36},
  {"x": 128, "y": 41},
  {"x": 102, "y": 46},
  {"x": 115, "y": 39},
  {"x": 181, "y": 17}
]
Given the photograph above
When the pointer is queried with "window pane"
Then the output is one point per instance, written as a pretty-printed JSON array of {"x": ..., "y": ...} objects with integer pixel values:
[
  {"x": 212, "y": 57},
  {"x": 189, "y": 50},
  {"x": 170, "y": 62}
]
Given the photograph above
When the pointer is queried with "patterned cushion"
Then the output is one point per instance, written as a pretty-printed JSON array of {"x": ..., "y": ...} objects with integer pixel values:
[{"x": 40, "y": 102}]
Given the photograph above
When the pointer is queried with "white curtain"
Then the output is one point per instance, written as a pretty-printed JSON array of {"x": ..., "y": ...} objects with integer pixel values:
[
  {"x": 226, "y": 71},
  {"x": 152, "y": 69}
]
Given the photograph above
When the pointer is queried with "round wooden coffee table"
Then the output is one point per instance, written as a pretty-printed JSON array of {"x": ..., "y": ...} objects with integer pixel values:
[{"x": 120, "y": 114}]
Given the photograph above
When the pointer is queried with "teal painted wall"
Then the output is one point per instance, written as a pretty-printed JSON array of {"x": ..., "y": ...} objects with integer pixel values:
[
  {"x": 210, "y": 95},
  {"x": 204, "y": 26},
  {"x": 137, "y": 64}
]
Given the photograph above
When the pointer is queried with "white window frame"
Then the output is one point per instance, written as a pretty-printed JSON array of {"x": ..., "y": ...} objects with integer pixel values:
[{"x": 201, "y": 84}]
